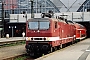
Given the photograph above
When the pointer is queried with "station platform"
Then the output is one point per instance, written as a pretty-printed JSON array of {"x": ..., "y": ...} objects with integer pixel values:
[
  {"x": 78, "y": 51},
  {"x": 11, "y": 39}
]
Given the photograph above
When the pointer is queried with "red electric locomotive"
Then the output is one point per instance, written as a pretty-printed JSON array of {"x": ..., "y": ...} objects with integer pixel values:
[
  {"x": 45, "y": 35},
  {"x": 80, "y": 31}
]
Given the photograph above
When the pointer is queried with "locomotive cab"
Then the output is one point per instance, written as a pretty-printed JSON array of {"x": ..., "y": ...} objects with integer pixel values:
[
  {"x": 38, "y": 26},
  {"x": 39, "y": 33}
]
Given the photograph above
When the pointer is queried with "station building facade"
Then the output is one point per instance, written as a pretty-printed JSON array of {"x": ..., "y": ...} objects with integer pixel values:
[
  {"x": 57, "y": 6},
  {"x": 40, "y": 6},
  {"x": 22, "y": 7}
]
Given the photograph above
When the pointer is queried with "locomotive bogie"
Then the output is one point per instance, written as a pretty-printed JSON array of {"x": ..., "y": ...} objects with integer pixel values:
[
  {"x": 42, "y": 47},
  {"x": 36, "y": 48}
]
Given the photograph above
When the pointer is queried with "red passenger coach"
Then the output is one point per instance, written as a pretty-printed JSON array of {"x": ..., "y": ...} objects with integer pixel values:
[
  {"x": 80, "y": 31},
  {"x": 45, "y": 35}
]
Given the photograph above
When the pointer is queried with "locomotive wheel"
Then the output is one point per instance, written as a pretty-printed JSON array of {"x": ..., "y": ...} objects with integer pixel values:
[
  {"x": 58, "y": 47},
  {"x": 64, "y": 45},
  {"x": 55, "y": 48},
  {"x": 73, "y": 42}
]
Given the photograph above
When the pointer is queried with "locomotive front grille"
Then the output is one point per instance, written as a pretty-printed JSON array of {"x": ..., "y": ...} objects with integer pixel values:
[{"x": 38, "y": 38}]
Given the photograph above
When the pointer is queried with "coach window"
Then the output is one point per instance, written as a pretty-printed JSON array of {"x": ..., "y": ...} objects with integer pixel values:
[{"x": 55, "y": 24}]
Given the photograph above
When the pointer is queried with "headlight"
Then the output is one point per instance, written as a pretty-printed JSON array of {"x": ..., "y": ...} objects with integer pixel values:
[
  {"x": 28, "y": 38},
  {"x": 48, "y": 39}
]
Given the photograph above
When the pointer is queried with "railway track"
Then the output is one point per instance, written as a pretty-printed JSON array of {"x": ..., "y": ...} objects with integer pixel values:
[
  {"x": 13, "y": 58},
  {"x": 20, "y": 57},
  {"x": 13, "y": 52}
]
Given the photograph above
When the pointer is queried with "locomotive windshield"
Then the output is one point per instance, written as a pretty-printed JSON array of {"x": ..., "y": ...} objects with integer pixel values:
[
  {"x": 33, "y": 25},
  {"x": 38, "y": 25}
]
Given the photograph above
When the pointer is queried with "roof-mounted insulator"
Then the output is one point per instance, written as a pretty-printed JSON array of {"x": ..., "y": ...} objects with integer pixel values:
[
  {"x": 60, "y": 18},
  {"x": 49, "y": 14}
]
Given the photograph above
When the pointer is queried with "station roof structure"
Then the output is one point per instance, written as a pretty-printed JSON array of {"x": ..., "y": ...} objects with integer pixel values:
[
  {"x": 72, "y": 5},
  {"x": 44, "y": 5},
  {"x": 85, "y": 6},
  {"x": 40, "y": 6}
]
